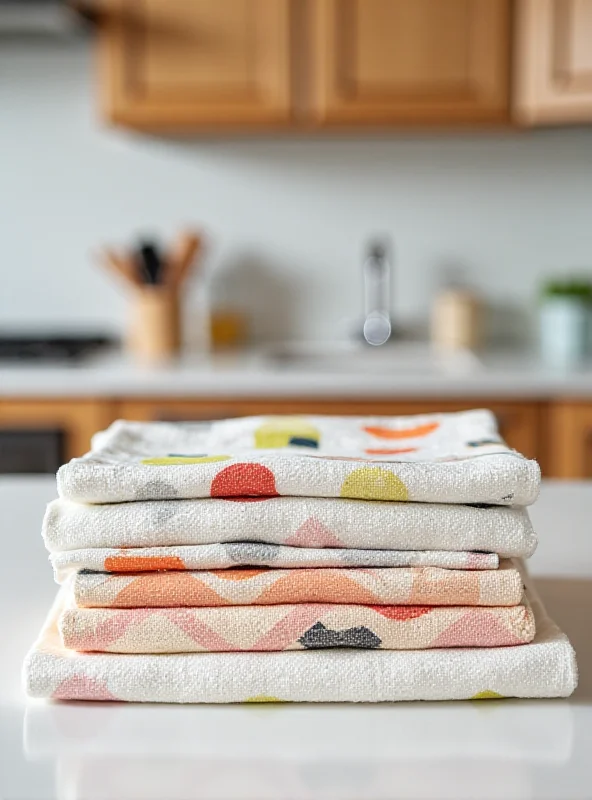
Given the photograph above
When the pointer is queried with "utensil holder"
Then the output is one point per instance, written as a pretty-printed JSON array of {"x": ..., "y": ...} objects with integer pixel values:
[{"x": 154, "y": 331}]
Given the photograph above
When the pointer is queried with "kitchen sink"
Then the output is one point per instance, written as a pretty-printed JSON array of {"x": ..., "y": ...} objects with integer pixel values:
[{"x": 415, "y": 358}]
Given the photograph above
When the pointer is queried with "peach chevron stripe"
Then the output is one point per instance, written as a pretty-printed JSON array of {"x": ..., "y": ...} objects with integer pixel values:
[
  {"x": 293, "y": 627},
  {"x": 152, "y": 589},
  {"x": 398, "y": 586}
]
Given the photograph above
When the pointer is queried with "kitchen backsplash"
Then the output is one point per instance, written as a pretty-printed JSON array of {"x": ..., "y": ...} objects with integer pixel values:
[{"x": 287, "y": 218}]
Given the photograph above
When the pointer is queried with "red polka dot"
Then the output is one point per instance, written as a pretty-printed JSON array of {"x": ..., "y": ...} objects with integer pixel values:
[
  {"x": 402, "y": 613},
  {"x": 244, "y": 482}
]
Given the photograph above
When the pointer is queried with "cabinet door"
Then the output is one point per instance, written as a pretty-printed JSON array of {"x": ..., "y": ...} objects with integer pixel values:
[
  {"x": 77, "y": 420},
  {"x": 196, "y": 63},
  {"x": 418, "y": 61},
  {"x": 554, "y": 61},
  {"x": 570, "y": 440}
]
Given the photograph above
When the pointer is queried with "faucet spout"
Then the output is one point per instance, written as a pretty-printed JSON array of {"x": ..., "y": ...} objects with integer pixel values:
[{"x": 377, "y": 326}]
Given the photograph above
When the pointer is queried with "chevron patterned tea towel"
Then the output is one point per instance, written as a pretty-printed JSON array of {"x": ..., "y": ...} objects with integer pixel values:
[
  {"x": 543, "y": 668},
  {"x": 423, "y": 586}
]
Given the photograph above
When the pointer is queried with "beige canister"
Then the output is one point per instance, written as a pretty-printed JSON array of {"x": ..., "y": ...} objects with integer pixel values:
[{"x": 456, "y": 320}]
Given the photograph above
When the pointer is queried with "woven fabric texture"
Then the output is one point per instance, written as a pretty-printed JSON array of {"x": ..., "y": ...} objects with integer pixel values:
[
  {"x": 302, "y": 626},
  {"x": 429, "y": 586},
  {"x": 442, "y": 458},
  {"x": 544, "y": 668},
  {"x": 225, "y": 556},
  {"x": 294, "y": 521}
]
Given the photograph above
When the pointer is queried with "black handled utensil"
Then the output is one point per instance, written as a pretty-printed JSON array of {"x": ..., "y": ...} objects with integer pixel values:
[{"x": 151, "y": 263}]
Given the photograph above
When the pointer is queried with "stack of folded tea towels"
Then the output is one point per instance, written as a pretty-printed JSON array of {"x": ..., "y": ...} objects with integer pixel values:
[{"x": 297, "y": 559}]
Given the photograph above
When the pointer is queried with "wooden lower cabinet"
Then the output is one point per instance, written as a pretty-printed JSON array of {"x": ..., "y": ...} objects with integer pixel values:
[
  {"x": 519, "y": 422},
  {"x": 569, "y": 433},
  {"x": 557, "y": 433},
  {"x": 77, "y": 420}
]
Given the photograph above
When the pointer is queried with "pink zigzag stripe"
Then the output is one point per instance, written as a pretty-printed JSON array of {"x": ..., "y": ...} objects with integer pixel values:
[
  {"x": 108, "y": 631},
  {"x": 476, "y": 629},
  {"x": 81, "y": 687},
  {"x": 197, "y": 630},
  {"x": 291, "y": 627}
]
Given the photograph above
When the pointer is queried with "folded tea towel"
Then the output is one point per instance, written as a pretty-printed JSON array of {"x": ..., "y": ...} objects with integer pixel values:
[
  {"x": 302, "y": 626},
  {"x": 248, "y": 554},
  {"x": 295, "y": 521},
  {"x": 442, "y": 458},
  {"x": 544, "y": 668},
  {"x": 429, "y": 586}
]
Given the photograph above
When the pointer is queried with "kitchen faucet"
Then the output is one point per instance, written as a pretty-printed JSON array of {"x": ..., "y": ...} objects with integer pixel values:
[{"x": 376, "y": 270}]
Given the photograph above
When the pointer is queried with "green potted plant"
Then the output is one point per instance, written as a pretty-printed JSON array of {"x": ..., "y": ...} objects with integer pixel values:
[{"x": 565, "y": 309}]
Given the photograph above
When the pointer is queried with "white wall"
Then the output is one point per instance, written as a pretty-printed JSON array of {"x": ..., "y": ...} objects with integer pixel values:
[{"x": 287, "y": 218}]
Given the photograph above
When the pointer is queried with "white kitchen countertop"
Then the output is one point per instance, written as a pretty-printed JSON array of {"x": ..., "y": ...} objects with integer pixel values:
[
  {"x": 496, "y": 749},
  {"x": 249, "y": 374}
]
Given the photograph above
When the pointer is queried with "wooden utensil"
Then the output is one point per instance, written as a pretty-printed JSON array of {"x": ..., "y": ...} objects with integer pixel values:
[
  {"x": 122, "y": 265},
  {"x": 184, "y": 253}
]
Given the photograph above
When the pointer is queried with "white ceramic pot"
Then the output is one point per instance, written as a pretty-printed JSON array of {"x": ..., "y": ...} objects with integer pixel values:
[{"x": 563, "y": 331}]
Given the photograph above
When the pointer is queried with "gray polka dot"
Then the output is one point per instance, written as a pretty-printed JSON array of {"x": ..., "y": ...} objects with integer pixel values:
[
  {"x": 252, "y": 552},
  {"x": 158, "y": 513},
  {"x": 156, "y": 490}
]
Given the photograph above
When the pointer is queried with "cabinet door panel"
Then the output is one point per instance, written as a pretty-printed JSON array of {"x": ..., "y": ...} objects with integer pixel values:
[
  {"x": 394, "y": 61},
  {"x": 554, "y": 61},
  {"x": 78, "y": 420},
  {"x": 570, "y": 440},
  {"x": 175, "y": 63}
]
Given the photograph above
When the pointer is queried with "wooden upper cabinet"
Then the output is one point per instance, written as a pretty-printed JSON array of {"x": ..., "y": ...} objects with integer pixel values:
[
  {"x": 384, "y": 62},
  {"x": 239, "y": 65},
  {"x": 196, "y": 63},
  {"x": 553, "y": 70}
]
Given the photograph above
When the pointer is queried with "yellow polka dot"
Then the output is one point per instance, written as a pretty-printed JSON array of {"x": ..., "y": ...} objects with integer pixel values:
[
  {"x": 487, "y": 695},
  {"x": 374, "y": 483},
  {"x": 284, "y": 431},
  {"x": 165, "y": 460},
  {"x": 263, "y": 698}
]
